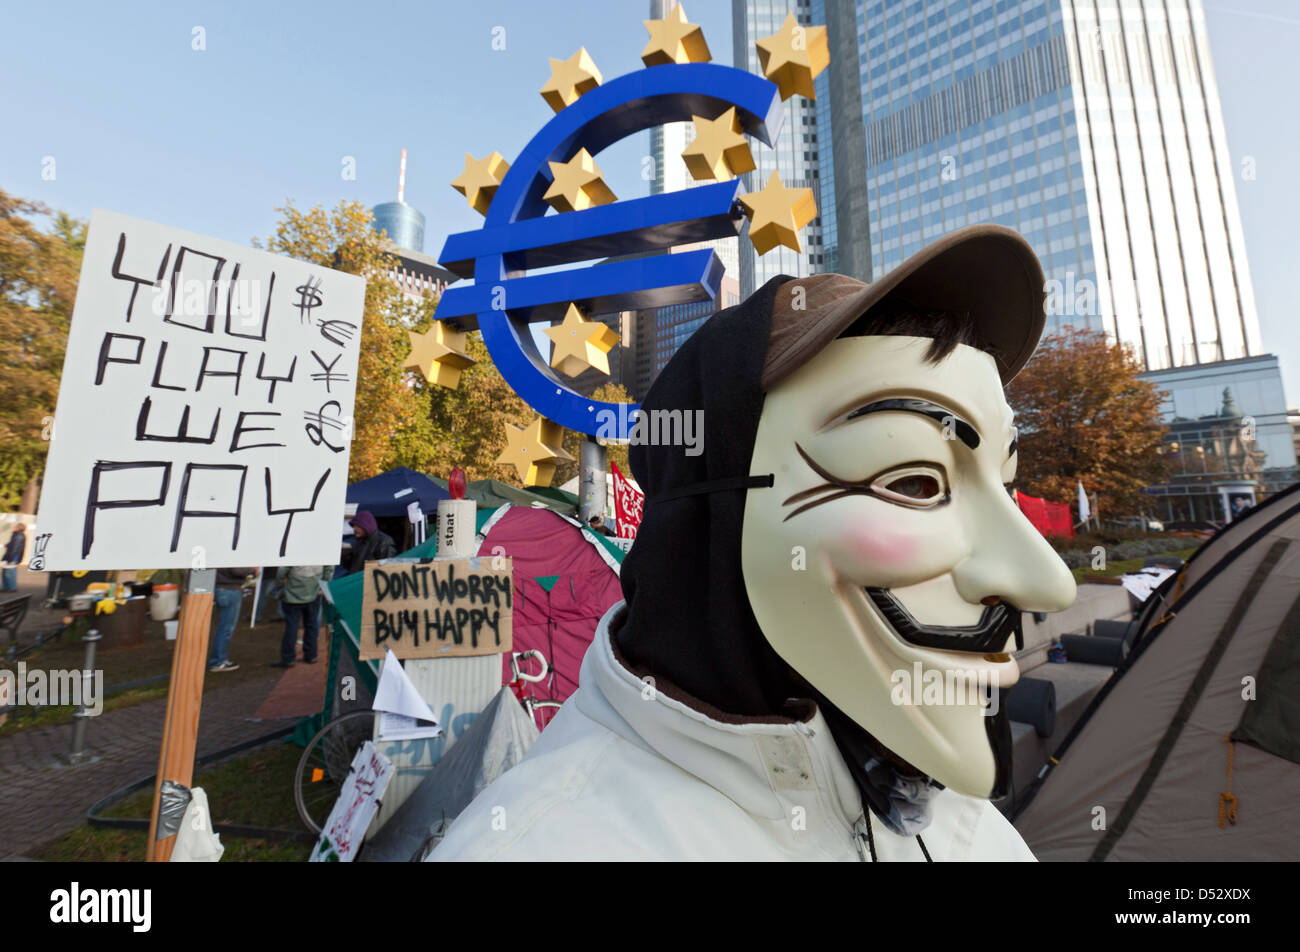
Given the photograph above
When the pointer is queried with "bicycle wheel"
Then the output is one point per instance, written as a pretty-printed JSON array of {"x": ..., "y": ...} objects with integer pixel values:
[{"x": 324, "y": 765}]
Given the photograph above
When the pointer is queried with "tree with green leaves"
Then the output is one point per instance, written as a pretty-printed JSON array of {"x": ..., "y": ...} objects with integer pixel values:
[{"x": 38, "y": 285}]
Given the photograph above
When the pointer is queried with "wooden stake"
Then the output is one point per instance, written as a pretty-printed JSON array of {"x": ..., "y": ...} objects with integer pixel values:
[{"x": 184, "y": 698}]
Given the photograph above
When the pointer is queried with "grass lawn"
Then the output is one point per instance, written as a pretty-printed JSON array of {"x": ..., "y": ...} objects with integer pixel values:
[
  {"x": 1116, "y": 569},
  {"x": 255, "y": 789}
]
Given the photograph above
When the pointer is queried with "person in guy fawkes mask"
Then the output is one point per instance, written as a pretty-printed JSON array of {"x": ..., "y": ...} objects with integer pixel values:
[{"x": 795, "y": 593}]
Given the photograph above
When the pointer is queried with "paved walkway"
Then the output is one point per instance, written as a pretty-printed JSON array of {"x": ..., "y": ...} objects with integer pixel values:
[{"x": 40, "y": 800}]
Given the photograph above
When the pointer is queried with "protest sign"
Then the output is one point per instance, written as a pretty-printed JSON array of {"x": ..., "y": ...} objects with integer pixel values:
[
  {"x": 205, "y": 407},
  {"x": 347, "y": 824},
  {"x": 437, "y": 608}
]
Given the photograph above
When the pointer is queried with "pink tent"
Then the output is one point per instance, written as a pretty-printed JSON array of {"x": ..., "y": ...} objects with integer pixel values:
[{"x": 565, "y": 580}]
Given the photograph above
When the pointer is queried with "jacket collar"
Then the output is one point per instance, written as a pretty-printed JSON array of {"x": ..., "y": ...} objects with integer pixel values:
[{"x": 756, "y": 762}]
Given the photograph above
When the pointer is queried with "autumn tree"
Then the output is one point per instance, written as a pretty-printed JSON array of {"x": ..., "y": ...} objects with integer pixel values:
[
  {"x": 466, "y": 426},
  {"x": 462, "y": 427},
  {"x": 1083, "y": 415},
  {"x": 38, "y": 284},
  {"x": 344, "y": 240}
]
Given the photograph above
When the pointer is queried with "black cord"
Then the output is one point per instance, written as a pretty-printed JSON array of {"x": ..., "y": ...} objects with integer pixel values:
[{"x": 871, "y": 842}]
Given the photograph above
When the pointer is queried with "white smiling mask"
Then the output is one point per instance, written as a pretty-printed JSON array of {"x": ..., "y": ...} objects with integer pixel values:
[{"x": 888, "y": 545}]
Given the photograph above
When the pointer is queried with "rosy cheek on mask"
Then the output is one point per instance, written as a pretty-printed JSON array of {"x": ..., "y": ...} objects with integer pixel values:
[{"x": 877, "y": 547}]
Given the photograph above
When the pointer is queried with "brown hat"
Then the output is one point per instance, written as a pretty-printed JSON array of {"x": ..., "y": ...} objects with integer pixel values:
[{"x": 988, "y": 271}]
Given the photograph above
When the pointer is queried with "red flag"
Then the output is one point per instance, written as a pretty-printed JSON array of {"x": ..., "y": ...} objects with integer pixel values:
[{"x": 629, "y": 503}]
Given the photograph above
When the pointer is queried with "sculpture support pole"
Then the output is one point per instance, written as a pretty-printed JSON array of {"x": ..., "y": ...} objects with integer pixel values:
[{"x": 591, "y": 481}]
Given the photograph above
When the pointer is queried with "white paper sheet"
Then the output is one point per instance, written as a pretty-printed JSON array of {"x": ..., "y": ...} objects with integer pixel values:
[{"x": 403, "y": 714}]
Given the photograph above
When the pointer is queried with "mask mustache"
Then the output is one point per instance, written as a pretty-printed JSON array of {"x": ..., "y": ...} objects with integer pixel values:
[{"x": 998, "y": 623}]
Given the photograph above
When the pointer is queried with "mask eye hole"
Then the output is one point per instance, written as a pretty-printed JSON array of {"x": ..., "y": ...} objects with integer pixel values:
[{"x": 917, "y": 486}]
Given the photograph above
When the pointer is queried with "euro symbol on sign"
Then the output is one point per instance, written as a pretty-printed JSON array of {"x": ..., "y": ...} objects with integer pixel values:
[{"x": 518, "y": 236}]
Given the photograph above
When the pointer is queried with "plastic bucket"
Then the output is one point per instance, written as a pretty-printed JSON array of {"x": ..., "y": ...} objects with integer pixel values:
[
  {"x": 164, "y": 602},
  {"x": 171, "y": 629}
]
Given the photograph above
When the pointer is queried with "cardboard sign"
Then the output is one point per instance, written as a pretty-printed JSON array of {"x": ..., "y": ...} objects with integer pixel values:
[
  {"x": 205, "y": 408},
  {"x": 355, "y": 808},
  {"x": 439, "y": 608}
]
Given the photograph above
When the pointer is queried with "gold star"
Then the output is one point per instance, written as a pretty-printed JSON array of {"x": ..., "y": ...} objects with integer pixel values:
[
  {"x": 673, "y": 40},
  {"x": 570, "y": 79},
  {"x": 533, "y": 451},
  {"x": 581, "y": 344},
  {"x": 776, "y": 214},
  {"x": 577, "y": 184},
  {"x": 478, "y": 183},
  {"x": 719, "y": 150},
  {"x": 793, "y": 57},
  {"x": 439, "y": 354}
]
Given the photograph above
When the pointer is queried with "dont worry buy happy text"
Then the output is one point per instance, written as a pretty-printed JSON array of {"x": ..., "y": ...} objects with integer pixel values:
[{"x": 437, "y": 609}]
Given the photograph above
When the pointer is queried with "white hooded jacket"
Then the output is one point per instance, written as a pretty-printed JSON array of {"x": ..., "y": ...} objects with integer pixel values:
[{"x": 625, "y": 772}]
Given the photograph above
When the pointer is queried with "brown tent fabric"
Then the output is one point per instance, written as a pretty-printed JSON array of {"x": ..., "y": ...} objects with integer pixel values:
[{"x": 1142, "y": 774}]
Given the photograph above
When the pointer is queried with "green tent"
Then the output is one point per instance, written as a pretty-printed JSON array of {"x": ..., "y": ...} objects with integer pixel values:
[{"x": 491, "y": 493}]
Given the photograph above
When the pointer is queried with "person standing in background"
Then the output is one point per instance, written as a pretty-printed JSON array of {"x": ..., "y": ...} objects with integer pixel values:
[
  {"x": 300, "y": 598},
  {"x": 13, "y": 557},
  {"x": 228, "y": 597},
  {"x": 371, "y": 545}
]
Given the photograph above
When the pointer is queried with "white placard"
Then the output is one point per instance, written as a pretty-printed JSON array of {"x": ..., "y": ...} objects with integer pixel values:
[
  {"x": 355, "y": 808},
  {"x": 205, "y": 409}
]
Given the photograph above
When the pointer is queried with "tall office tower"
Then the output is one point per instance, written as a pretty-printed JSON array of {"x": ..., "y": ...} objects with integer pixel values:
[
  {"x": 667, "y": 142},
  {"x": 1093, "y": 127},
  {"x": 796, "y": 156}
]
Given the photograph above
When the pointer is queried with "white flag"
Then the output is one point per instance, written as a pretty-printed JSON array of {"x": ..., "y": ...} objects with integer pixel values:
[{"x": 1084, "y": 511}]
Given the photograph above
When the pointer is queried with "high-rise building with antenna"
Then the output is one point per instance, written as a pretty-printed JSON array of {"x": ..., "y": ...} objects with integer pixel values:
[
  {"x": 404, "y": 224},
  {"x": 417, "y": 273}
]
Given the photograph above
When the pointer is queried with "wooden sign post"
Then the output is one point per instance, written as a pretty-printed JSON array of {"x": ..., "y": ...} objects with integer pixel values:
[{"x": 184, "y": 699}]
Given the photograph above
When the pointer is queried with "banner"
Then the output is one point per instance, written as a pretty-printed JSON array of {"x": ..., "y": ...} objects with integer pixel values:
[
  {"x": 437, "y": 608},
  {"x": 1049, "y": 518},
  {"x": 205, "y": 408},
  {"x": 629, "y": 504}
]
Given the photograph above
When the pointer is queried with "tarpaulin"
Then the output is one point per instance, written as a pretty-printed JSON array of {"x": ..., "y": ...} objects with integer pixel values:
[{"x": 1049, "y": 518}]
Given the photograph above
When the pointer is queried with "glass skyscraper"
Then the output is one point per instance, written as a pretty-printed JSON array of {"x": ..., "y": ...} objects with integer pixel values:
[
  {"x": 1092, "y": 127},
  {"x": 797, "y": 155}
]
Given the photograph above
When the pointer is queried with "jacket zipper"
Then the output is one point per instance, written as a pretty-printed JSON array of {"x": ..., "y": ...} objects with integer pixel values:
[{"x": 857, "y": 827}]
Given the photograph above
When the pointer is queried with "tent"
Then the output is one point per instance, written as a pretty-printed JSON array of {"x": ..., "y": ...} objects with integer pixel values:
[
  {"x": 491, "y": 493},
  {"x": 1191, "y": 751},
  {"x": 388, "y": 494},
  {"x": 566, "y": 577},
  {"x": 563, "y": 585},
  {"x": 497, "y": 740}
]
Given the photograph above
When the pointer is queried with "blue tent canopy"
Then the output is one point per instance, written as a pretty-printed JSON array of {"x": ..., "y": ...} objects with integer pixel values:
[{"x": 388, "y": 494}]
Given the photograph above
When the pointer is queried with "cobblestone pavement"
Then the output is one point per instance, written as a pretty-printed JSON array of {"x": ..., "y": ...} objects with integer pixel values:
[{"x": 41, "y": 800}]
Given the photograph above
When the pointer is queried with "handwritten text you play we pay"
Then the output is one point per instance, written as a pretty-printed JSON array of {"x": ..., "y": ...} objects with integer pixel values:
[{"x": 424, "y": 608}]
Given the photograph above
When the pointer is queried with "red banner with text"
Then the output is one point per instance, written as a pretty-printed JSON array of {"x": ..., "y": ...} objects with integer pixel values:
[{"x": 629, "y": 503}]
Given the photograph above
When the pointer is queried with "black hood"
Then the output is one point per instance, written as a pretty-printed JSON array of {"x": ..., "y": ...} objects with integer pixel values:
[
  {"x": 688, "y": 622},
  {"x": 688, "y": 619}
]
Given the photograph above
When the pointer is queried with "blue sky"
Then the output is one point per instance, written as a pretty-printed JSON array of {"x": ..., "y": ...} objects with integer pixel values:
[{"x": 213, "y": 141}]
